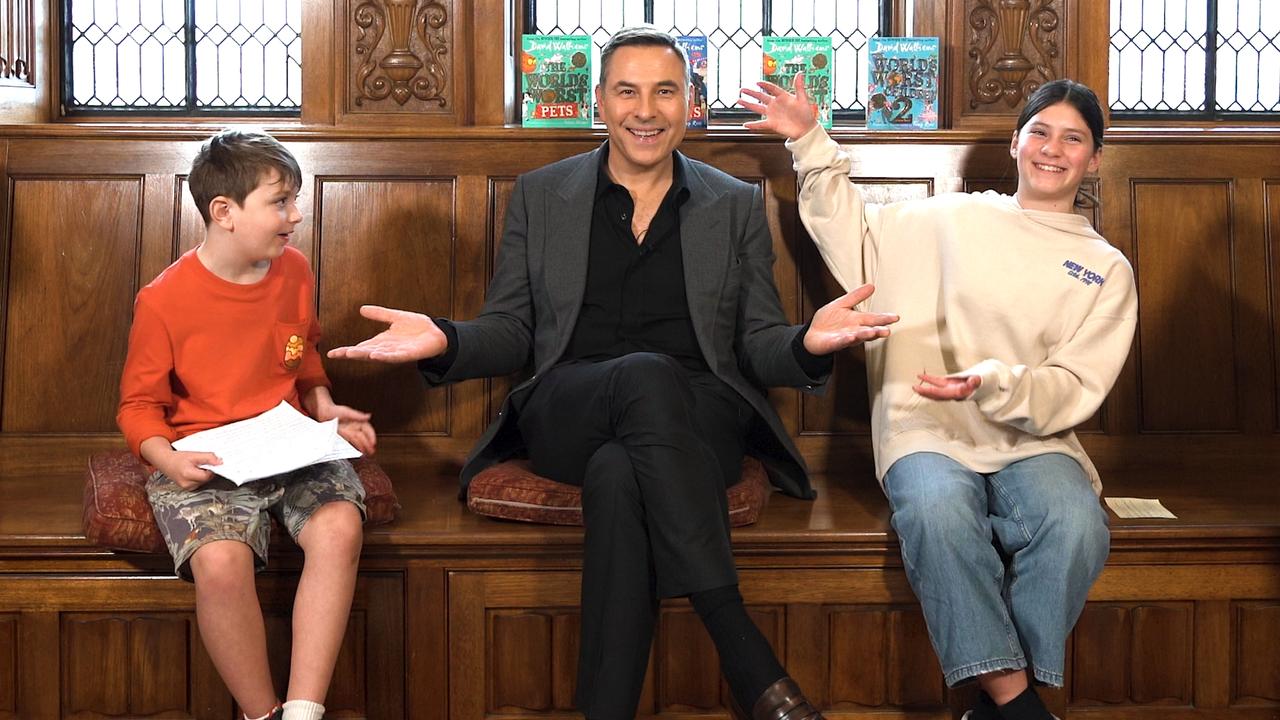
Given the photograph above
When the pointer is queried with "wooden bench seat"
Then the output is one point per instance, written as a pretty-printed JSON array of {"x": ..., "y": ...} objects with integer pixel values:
[
  {"x": 461, "y": 616},
  {"x": 1216, "y": 510}
]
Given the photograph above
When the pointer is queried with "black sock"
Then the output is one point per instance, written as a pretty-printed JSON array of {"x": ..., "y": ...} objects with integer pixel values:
[
  {"x": 1027, "y": 706},
  {"x": 986, "y": 708},
  {"x": 747, "y": 661}
]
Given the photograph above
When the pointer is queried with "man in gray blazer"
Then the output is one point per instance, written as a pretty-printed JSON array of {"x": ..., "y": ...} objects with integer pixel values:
[{"x": 641, "y": 282}]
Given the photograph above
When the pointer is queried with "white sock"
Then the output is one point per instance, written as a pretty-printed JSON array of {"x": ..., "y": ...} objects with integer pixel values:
[
  {"x": 264, "y": 717},
  {"x": 303, "y": 710}
]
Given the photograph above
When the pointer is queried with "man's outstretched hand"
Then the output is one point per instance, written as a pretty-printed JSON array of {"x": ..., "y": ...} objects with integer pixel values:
[
  {"x": 409, "y": 337},
  {"x": 837, "y": 325}
]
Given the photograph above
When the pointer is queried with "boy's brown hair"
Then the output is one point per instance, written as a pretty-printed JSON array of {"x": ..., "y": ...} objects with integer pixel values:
[{"x": 233, "y": 163}]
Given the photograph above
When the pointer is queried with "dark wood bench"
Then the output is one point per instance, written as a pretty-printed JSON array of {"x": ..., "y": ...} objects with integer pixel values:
[{"x": 461, "y": 616}]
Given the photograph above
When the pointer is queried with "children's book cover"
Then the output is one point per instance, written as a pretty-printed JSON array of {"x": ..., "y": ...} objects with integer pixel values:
[
  {"x": 555, "y": 79},
  {"x": 784, "y": 57},
  {"x": 902, "y": 83},
  {"x": 695, "y": 46}
]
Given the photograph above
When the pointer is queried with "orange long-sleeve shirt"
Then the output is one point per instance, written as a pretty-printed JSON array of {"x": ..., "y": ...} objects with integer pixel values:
[{"x": 205, "y": 352}]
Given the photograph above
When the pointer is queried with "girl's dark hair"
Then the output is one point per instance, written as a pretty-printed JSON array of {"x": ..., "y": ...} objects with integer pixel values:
[{"x": 1077, "y": 95}]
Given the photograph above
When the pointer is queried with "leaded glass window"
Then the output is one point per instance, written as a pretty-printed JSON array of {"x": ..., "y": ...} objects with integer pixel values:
[
  {"x": 182, "y": 56},
  {"x": 1195, "y": 58},
  {"x": 734, "y": 30}
]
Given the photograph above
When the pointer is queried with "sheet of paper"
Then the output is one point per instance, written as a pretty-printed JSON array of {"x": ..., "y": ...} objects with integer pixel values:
[
  {"x": 277, "y": 441},
  {"x": 341, "y": 449},
  {"x": 1127, "y": 507}
]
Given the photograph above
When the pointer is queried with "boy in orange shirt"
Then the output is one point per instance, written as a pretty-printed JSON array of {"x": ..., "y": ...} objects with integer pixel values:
[{"x": 225, "y": 333}]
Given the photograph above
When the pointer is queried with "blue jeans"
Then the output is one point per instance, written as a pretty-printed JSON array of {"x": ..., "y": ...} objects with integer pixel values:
[{"x": 1001, "y": 562}]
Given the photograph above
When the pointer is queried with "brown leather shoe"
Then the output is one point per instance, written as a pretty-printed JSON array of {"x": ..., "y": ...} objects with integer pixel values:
[{"x": 784, "y": 701}]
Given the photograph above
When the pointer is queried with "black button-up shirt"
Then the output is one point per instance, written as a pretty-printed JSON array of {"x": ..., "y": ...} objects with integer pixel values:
[{"x": 635, "y": 299}]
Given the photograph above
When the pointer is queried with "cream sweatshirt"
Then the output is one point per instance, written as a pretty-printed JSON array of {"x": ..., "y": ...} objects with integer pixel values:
[{"x": 1035, "y": 303}]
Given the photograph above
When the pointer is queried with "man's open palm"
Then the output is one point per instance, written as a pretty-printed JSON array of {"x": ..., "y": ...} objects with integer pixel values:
[
  {"x": 408, "y": 337},
  {"x": 837, "y": 325}
]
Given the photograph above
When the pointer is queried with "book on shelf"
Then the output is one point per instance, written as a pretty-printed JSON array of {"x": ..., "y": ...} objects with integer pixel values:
[
  {"x": 555, "y": 81},
  {"x": 695, "y": 46},
  {"x": 785, "y": 57},
  {"x": 902, "y": 83}
]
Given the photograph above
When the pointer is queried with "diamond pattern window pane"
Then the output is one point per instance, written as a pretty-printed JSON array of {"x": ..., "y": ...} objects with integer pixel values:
[
  {"x": 1167, "y": 56},
  {"x": 734, "y": 30},
  {"x": 161, "y": 55},
  {"x": 1248, "y": 56},
  {"x": 849, "y": 24}
]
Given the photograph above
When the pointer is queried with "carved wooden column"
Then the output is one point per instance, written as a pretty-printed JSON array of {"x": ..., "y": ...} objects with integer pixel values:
[
  {"x": 402, "y": 62},
  {"x": 17, "y": 43},
  {"x": 1003, "y": 50}
]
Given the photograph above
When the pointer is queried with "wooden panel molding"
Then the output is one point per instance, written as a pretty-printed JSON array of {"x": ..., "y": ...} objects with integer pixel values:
[
  {"x": 685, "y": 665},
  {"x": 400, "y": 57},
  {"x": 1101, "y": 632},
  {"x": 76, "y": 240},
  {"x": 1139, "y": 653},
  {"x": 1184, "y": 239},
  {"x": 499, "y": 197},
  {"x": 881, "y": 657},
  {"x": 402, "y": 233},
  {"x": 18, "y": 60},
  {"x": 534, "y": 659},
  {"x": 1161, "y": 654},
  {"x": 1257, "y": 660},
  {"x": 8, "y": 665},
  {"x": 1271, "y": 200},
  {"x": 188, "y": 224},
  {"x": 138, "y": 665},
  {"x": 94, "y": 679}
]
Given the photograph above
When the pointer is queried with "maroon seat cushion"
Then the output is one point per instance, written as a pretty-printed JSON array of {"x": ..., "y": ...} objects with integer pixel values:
[
  {"x": 511, "y": 491},
  {"x": 117, "y": 514}
]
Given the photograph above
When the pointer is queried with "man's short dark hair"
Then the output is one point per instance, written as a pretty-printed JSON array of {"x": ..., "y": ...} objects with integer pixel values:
[
  {"x": 641, "y": 36},
  {"x": 233, "y": 163}
]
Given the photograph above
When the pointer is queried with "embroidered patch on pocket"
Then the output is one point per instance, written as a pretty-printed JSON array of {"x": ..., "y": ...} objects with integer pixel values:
[{"x": 293, "y": 352}]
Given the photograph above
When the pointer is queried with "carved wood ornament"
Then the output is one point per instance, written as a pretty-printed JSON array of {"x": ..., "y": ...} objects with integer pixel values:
[
  {"x": 17, "y": 42},
  {"x": 410, "y": 64},
  {"x": 1013, "y": 49}
]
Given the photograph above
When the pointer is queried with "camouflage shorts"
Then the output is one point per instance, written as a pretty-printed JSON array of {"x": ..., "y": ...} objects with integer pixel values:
[{"x": 220, "y": 510}]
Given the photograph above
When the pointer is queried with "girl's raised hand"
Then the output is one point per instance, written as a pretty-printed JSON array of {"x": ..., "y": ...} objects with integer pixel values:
[{"x": 787, "y": 114}]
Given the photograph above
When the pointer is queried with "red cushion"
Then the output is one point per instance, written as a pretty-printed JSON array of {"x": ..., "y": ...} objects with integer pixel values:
[
  {"x": 511, "y": 491},
  {"x": 117, "y": 514}
]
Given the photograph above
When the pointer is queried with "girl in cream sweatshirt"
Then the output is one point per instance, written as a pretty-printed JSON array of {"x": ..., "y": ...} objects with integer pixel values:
[{"x": 1016, "y": 318}]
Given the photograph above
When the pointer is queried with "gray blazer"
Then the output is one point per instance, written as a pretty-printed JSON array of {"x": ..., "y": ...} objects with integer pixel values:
[{"x": 537, "y": 289}]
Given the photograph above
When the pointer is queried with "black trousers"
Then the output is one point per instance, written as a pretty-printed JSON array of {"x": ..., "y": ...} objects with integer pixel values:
[{"x": 653, "y": 446}]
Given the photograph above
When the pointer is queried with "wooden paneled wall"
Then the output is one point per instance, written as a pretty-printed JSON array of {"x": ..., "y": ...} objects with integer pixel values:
[{"x": 412, "y": 222}]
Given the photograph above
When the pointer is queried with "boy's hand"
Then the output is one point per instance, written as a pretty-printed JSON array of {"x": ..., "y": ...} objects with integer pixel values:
[
  {"x": 184, "y": 468},
  {"x": 353, "y": 425},
  {"x": 410, "y": 337},
  {"x": 181, "y": 467},
  {"x": 784, "y": 113}
]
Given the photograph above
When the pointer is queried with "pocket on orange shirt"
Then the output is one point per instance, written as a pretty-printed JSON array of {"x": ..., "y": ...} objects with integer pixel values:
[{"x": 291, "y": 344}]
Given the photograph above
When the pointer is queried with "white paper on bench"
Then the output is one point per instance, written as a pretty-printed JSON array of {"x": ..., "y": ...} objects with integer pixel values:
[
  {"x": 1126, "y": 507},
  {"x": 277, "y": 441}
]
